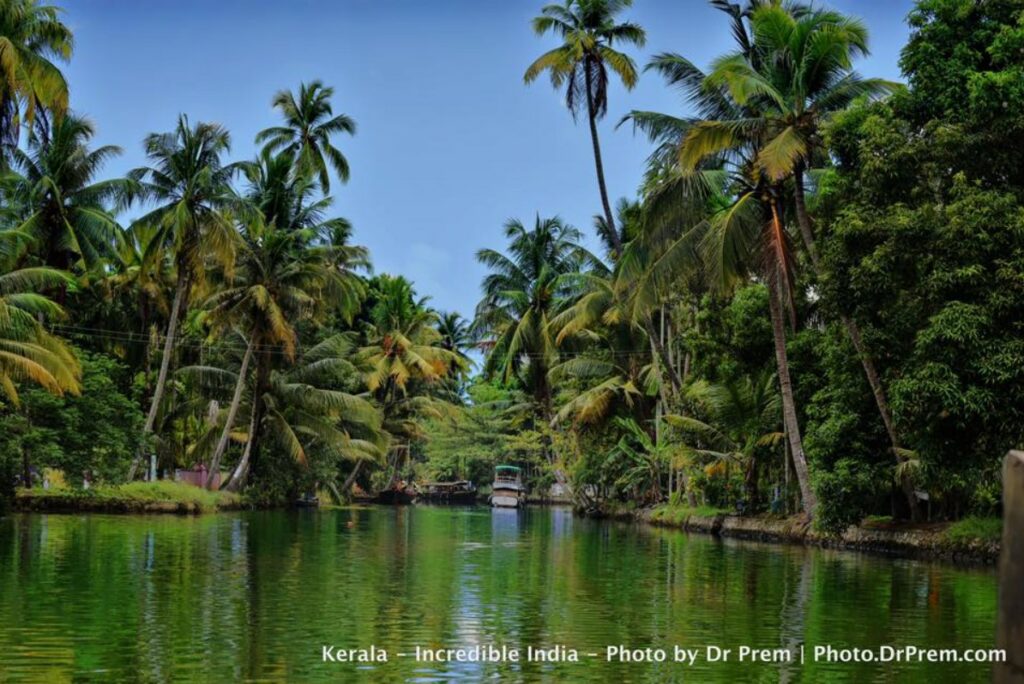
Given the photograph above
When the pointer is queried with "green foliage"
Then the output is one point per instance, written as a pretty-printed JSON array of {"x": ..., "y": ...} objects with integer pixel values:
[{"x": 96, "y": 432}]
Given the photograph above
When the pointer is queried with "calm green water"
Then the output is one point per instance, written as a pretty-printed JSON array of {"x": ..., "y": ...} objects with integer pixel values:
[{"x": 255, "y": 597}]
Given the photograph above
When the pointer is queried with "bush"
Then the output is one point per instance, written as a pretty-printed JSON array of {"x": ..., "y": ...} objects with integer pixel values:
[{"x": 846, "y": 493}]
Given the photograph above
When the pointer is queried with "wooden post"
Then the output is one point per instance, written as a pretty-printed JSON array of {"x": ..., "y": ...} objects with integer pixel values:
[{"x": 1010, "y": 635}]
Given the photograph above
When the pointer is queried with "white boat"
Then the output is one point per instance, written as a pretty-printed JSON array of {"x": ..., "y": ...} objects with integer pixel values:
[{"x": 508, "y": 490}]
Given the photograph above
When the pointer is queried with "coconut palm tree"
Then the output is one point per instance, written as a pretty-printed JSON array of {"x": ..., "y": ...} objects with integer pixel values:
[
  {"x": 581, "y": 65},
  {"x": 795, "y": 69},
  {"x": 28, "y": 352},
  {"x": 403, "y": 345},
  {"x": 403, "y": 362},
  {"x": 306, "y": 410},
  {"x": 190, "y": 183},
  {"x": 310, "y": 123},
  {"x": 70, "y": 214},
  {"x": 706, "y": 174},
  {"x": 739, "y": 418},
  {"x": 32, "y": 37},
  {"x": 527, "y": 287}
]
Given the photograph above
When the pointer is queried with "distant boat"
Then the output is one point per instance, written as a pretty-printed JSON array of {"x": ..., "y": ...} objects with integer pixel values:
[
  {"x": 508, "y": 490},
  {"x": 457, "y": 493},
  {"x": 396, "y": 496}
]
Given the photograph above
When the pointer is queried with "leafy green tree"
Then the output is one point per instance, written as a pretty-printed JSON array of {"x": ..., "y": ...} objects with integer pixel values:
[
  {"x": 581, "y": 66},
  {"x": 96, "y": 430}
]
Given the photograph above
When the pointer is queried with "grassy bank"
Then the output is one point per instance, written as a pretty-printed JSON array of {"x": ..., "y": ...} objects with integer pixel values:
[
  {"x": 970, "y": 539},
  {"x": 134, "y": 497}
]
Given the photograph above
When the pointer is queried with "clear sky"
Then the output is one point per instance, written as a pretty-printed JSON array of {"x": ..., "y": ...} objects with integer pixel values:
[{"x": 450, "y": 142}]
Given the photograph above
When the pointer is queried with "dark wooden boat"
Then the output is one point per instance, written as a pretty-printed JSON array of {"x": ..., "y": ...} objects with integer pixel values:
[
  {"x": 461, "y": 493},
  {"x": 396, "y": 496}
]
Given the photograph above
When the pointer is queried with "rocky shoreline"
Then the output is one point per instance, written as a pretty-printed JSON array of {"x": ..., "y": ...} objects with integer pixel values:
[{"x": 923, "y": 541}]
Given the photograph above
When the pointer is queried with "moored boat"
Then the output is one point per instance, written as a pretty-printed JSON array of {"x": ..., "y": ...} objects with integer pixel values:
[
  {"x": 508, "y": 490},
  {"x": 457, "y": 493}
]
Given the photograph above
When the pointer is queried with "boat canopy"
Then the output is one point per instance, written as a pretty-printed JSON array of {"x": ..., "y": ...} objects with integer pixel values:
[{"x": 507, "y": 467}]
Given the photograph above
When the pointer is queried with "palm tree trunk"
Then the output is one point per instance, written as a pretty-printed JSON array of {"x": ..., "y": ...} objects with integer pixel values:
[
  {"x": 788, "y": 403},
  {"x": 592, "y": 118},
  {"x": 180, "y": 294},
  {"x": 852, "y": 329},
  {"x": 351, "y": 479},
  {"x": 241, "y": 471},
  {"x": 229, "y": 421},
  {"x": 662, "y": 355}
]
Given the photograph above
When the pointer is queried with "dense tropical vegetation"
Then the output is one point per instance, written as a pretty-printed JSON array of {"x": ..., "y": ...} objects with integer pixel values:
[{"x": 814, "y": 301}]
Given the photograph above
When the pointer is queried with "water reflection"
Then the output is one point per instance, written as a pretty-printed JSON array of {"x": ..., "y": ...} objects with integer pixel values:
[{"x": 255, "y": 596}]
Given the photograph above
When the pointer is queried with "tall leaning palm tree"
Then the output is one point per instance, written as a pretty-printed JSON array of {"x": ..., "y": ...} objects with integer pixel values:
[
  {"x": 71, "y": 219},
  {"x": 736, "y": 212},
  {"x": 581, "y": 65},
  {"x": 309, "y": 125},
  {"x": 795, "y": 70},
  {"x": 190, "y": 184},
  {"x": 32, "y": 37}
]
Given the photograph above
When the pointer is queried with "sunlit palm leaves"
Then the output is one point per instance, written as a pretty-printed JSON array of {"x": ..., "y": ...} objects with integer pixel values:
[
  {"x": 32, "y": 36},
  {"x": 28, "y": 352}
]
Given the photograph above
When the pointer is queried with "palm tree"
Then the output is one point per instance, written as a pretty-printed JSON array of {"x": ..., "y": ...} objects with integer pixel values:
[
  {"x": 741, "y": 418},
  {"x": 526, "y": 288},
  {"x": 292, "y": 263},
  {"x": 581, "y": 65},
  {"x": 305, "y": 410},
  {"x": 191, "y": 185},
  {"x": 275, "y": 285},
  {"x": 310, "y": 123},
  {"x": 735, "y": 213},
  {"x": 403, "y": 344},
  {"x": 456, "y": 336},
  {"x": 402, "y": 359},
  {"x": 70, "y": 215},
  {"x": 31, "y": 37},
  {"x": 28, "y": 352},
  {"x": 795, "y": 69}
]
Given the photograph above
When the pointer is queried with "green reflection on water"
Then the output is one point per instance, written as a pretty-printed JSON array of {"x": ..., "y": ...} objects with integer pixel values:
[{"x": 255, "y": 596}]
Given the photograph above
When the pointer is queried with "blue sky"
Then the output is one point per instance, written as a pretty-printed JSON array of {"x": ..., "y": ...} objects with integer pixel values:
[{"x": 450, "y": 142}]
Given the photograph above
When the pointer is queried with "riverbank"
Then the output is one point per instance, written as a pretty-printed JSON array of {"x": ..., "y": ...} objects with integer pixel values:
[
  {"x": 135, "y": 497},
  {"x": 971, "y": 540}
]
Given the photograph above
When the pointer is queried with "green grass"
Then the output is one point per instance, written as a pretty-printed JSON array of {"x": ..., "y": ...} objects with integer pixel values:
[
  {"x": 876, "y": 520},
  {"x": 677, "y": 515},
  {"x": 137, "y": 495},
  {"x": 975, "y": 529}
]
